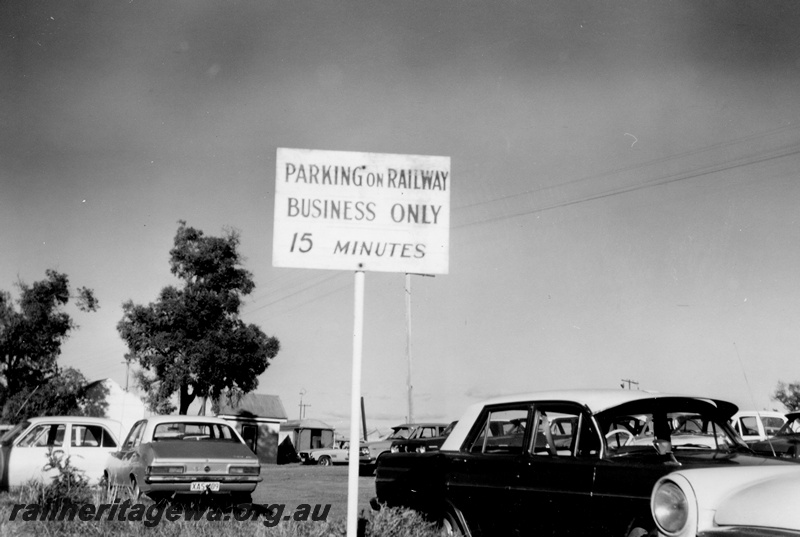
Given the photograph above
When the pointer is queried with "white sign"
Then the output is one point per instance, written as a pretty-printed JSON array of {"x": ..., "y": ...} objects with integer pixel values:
[{"x": 362, "y": 211}]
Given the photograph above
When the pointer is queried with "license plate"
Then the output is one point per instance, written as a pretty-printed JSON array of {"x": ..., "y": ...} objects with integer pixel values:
[{"x": 200, "y": 486}]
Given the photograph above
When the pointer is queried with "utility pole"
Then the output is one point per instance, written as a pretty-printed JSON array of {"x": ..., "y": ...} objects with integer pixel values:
[
  {"x": 302, "y": 406},
  {"x": 629, "y": 382}
]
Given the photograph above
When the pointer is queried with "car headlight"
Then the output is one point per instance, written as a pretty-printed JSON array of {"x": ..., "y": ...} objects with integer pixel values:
[
  {"x": 365, "y": 452},
  {"x": 670, "y": 508},
  {"x": 421, "y": 449},
  {"x": 394, "y": 449}
]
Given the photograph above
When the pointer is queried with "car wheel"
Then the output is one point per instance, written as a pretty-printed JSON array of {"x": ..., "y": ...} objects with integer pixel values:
[
  {"x": 453, "y": 524},
  {"x": 324, "y": 461},
  {"x": 108, "y": 489}
]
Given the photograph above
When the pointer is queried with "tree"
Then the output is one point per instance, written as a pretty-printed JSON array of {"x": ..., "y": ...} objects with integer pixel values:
[
  {"x": 789, "y": 395},
  {"x": 64, "y": 394},
  {"x": 191, "y": 340},
  {"x": 31, "y": 335}
]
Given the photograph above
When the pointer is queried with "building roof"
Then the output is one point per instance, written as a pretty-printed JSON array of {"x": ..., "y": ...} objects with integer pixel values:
[
  {"x": 254, "y": 405},
  {"x": 304, "y": 424}
]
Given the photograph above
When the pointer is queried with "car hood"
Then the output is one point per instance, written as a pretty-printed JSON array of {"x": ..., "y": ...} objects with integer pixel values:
[
  {"x": 770, "y": 502},
  {"x": 186, "y": 449},
  {"x": 763, "y": 495}
]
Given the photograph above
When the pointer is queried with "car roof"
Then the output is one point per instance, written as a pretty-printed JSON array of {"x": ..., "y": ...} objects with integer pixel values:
[
  {"x": 767, "y": 413},
  {"x": 428, "y": 424},
  {"x": 72, "y": 419},
  {"x": 595, "y": 400},
  {"x": 182, "y": 417}
]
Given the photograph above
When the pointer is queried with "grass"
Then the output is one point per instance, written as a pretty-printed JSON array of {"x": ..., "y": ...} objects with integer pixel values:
[{"x": 290, "y": 485}]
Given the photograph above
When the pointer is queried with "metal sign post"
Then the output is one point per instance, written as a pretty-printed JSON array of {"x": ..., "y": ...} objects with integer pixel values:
[{"x": 355, "y": 406}]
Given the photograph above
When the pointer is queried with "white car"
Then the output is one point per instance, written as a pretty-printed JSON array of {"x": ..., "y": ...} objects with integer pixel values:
[
  {"x": 756, "y": 501},
  {"x": 755, "y": 425},
  {"x": 338, "y": 454},
  {"x": 86, "y": 441},
  {"x": 325, "y": 456}
]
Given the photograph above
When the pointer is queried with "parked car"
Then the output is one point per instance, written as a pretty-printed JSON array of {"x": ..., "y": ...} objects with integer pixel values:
[
  {"x": 754, "y": 425},
  {"x": 752, "y": 501},
  {"x": 422, "y": 443},
  {"x": 594, "y": 477},
  {"x": 86, "y": 441},
  {"x": 784, "y": 443},
  {"x": 166, "y": 455},
  {"x": 404, "y": 431},
  {"x": 338, "y": 454}
]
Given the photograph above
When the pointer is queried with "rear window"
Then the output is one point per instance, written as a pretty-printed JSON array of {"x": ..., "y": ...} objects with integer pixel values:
[{"x": 194, "y": 431}]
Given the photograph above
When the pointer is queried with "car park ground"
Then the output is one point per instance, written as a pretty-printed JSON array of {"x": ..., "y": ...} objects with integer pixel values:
[{"x": 295, "y": 484}]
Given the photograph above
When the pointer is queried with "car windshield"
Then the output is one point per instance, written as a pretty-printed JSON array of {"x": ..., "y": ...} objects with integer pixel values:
[
  {"x": 685, "y": 424},
  {"x": 194, "y": 431},
  {"x": 9, "y": 436},
  {"x": 400, "y": 433}
]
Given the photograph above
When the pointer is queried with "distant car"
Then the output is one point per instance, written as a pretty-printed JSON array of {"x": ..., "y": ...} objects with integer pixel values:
[
  {"x": 339, "y": 454},
  {"x": 86, "y": 441},
  {"x": 167, "y": 455},
  {"x": 754, "y": 425},
  {"x": 405, "y": 431},
  {"x": 422, "y": 443},
  {"x": 754, "y": 501},
  {"x": 784, "y": 443}
]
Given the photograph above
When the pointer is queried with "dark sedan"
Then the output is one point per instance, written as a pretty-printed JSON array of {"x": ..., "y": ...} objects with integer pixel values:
[
  {"x": 785, "y": 442},
  {"x": 580, "y": 462},
  {"x": 422, "y": 443}
]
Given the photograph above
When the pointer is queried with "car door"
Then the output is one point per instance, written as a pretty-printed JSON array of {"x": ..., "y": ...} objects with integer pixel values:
[
  {"x": 120, "y": 463},
  {"x": 480, "y": 477},
  {"x": 89, "y": 448},
  {"x": 28, "y": 456},
  {"x": 555, "y": 475}
]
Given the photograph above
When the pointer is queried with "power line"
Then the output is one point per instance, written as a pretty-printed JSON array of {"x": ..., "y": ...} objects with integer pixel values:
[{"x": 794, "y": 150}]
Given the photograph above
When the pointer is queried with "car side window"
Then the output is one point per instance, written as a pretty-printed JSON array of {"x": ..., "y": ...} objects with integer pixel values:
[
  {"x": 502, "y": 431},
  {"x": 91, "y": 436},
  {"x": 772, "y": 425},
  {"x": 558, "y": 431},
  {"x": 427, "y": 432},
  {"x": 45, "y": 435},
  {"x": 749, "y": 425},
  {"x": 134, "y": 437}
]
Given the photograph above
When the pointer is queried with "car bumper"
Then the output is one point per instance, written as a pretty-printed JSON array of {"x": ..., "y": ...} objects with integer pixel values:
[{"x": 183, "y": 484}]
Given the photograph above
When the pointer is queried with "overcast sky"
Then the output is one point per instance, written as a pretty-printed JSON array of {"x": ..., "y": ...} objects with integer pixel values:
[{"x": 624, "y": 183}]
